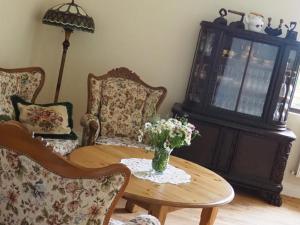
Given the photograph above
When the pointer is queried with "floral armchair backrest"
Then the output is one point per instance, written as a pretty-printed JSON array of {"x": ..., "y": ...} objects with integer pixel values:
[
  {"x": 122, "y": 102},
  {"x": 25, "y": 82},
  {"x": 32, "y": 195}
]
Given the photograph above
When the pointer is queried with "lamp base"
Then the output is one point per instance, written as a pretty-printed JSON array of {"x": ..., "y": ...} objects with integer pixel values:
[{"x": 66, "y": 45}]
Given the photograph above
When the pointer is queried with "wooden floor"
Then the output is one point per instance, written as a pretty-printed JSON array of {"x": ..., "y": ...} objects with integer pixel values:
[{"x": 244, "y": 210}]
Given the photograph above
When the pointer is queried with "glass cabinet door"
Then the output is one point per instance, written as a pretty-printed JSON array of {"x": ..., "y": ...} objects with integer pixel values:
[
  {"x": 201, "y": 66},
  {"x": 243, "y": 75},
  {"x": 287, "y": 87},
  {"x": 230, "y": 72},
  {"x": 257, "y": 79}
]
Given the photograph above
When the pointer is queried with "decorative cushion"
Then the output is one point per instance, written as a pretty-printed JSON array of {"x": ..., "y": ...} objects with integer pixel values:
[
  {"x": 122, "y": 107},
  {"x": 23, "y": 84},
  {"x": 63, "y": 147},
  {"x": 122, "y": 141},
  {"x": 45, "y": 120}
]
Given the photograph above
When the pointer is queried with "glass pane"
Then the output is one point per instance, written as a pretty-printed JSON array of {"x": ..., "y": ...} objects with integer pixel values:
[
  {"x": 207, "y": 41},
  {"x": 296, "y": 98},
  {"x": 230, "y": 72},
  {"x": 286, "y": 90},
  {"x": 197, "y": 86},
  {"x": 257, "y": 79},
  {"x": 201, "y": 66}
]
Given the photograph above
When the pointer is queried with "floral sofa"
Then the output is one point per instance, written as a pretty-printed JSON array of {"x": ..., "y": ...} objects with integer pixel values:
[
  {"x": 46, "y": 189},
  {"x": 119, "y": 103},
  {"x": 26, "y": 83}
]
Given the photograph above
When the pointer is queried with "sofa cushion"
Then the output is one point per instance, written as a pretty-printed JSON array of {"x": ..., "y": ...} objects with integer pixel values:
[
  {"x": 122, "y": 107},
  {"x": 62, "y": 147},
  {"x": 122, "y": 141},
  {"x": 139, "y": 220}
]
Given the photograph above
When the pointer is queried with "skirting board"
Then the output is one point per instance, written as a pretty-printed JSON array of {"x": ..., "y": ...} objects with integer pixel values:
[{"x": 290, "y": 189}]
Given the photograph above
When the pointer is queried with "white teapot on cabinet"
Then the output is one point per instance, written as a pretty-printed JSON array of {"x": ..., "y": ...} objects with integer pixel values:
[{"x": 255, "y": 22}]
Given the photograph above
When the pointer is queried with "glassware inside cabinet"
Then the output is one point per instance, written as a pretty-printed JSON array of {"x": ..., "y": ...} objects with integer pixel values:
[
  {"x": 230, "y": 72},
  {"x": 207, "y": 42},
  {"x": 286, "y": 90},
  {"x": 257, "y": 79},
  {"x": 203, "y": 60}
]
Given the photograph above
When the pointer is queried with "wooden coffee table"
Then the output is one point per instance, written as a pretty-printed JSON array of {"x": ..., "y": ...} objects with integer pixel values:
[{"x": 206, "y": 190}]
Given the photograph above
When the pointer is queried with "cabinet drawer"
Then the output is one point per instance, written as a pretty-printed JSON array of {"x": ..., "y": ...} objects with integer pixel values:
[
  {"x": 203, "y": 148},
  {"x": 254, "y": 156},
  {"x": 225, "y": 149}
]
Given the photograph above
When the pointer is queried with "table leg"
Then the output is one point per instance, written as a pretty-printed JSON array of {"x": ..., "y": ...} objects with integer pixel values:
[
  {"x": 208, "y": 216},
  {"x": 130, "y": 206},
  {"x": 160, "y": 212}
]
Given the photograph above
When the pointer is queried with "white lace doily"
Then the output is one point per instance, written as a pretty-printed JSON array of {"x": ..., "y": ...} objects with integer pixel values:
[{"x": 142, "y": 169}]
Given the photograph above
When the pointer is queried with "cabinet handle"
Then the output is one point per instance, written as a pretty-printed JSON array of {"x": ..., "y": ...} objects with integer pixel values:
[{"x": 237, "y": 13}]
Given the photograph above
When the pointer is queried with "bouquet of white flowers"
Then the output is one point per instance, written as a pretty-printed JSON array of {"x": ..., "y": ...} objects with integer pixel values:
[{"x": 165, "y": 135}]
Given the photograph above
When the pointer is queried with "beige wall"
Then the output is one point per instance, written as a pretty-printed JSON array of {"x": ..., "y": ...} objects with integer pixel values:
[
  {"x": 155, "y": 38},
  {"x": 18, "y": 29}
]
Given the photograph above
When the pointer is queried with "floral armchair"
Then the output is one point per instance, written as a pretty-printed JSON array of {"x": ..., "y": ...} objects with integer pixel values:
[
  {"x": 46, "y": 189},
  {"x": 119, "y": 103},
  {"x": 26, "y": 83}
]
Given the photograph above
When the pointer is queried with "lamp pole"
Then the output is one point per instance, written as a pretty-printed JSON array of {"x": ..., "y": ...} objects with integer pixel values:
[{"x": 66, "y": 45}]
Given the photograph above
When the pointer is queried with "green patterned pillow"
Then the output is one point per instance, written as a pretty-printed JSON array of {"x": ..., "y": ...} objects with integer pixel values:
[{"x": 45, "y": 120}]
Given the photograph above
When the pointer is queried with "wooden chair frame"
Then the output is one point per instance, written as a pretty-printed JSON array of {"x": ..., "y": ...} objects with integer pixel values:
[
  {"x": 16, "y": 137},
  {"x": 125, "y": 73}
]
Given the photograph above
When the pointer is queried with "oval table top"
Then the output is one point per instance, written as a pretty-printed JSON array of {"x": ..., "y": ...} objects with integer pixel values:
[{"x": 206, "y": 189}]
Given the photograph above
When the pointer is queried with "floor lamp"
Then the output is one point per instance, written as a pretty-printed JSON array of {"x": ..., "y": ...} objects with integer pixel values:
[{"x": 70, "y": 17}]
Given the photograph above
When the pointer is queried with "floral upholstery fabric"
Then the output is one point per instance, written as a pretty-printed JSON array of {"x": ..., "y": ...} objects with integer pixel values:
[
  {"x": 150, "y": 105},
  {"x": 121, "y": 141},
  {"x": 86, "y": 121},
  {"x": 61, "y": 146},
  {"x": 95, "y": 90},
  {"x": 45, "y": 120},
  {"x": 23, "y": 84},
  {"x": 139, "y": 220},
  {"x": 32, "y": 195},
  {"x": 122, "y": 104}
]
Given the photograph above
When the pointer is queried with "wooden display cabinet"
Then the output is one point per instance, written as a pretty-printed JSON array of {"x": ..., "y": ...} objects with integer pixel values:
[{"x": 239, "y": 94}]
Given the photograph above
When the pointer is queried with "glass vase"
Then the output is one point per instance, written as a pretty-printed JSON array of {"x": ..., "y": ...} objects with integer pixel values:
[{"x": 160, "y": 160}]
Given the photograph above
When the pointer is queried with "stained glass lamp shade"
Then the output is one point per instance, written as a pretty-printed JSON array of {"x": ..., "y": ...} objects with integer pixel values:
[{"x": 71, "y": 17}]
